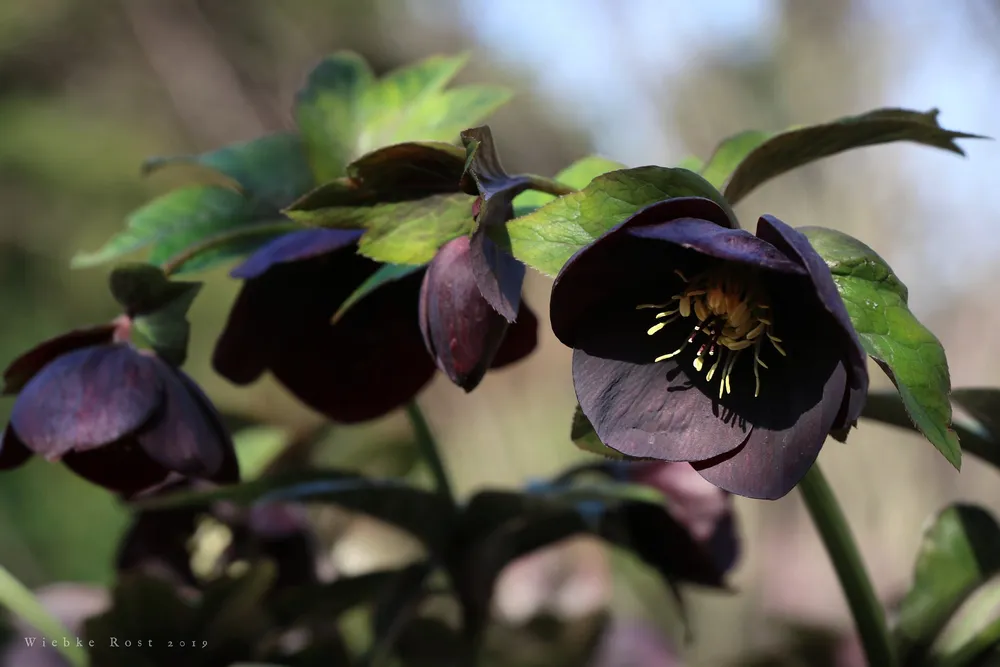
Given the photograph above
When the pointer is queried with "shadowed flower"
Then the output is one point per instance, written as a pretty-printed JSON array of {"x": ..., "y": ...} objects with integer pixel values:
[
  {"x": 164, "y": 543},
  {"x": 373, "y": 359},
  {"x": 117, "y": 416},
  {"x": 696, "y": 342},
  {"x": 703, "y": 508}
]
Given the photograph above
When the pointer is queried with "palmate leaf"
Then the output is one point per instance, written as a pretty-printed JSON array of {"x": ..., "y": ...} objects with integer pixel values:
[
  {"x": 343, "y": 113},
  {"x": 906, "y": 350}
]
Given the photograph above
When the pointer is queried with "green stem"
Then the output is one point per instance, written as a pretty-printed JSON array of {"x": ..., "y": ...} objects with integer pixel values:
[
  {"x": 429, "y": 449},
  {"x": 869, "y": 616},
  {"x": 212, "y": 242},
  {"x": 21, "y": 601},
  {"x": 549, "y": 185}
]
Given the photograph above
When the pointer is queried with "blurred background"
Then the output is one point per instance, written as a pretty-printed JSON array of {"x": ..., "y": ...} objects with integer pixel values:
[{"x": 89, "y": 88}]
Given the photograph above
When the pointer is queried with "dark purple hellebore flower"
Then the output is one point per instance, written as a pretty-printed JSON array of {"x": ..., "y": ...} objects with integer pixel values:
[
  {"x": 370, "y": 361},
  {"x": 693, "y": 341},
  {"x": 117, "y": 416}
]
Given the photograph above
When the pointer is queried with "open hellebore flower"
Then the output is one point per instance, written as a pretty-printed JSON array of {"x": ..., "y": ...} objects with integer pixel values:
[
  {"x": 373, "y": 359},
  {"x": 119, "y": 417},
  {"x": 697, "y": 342}
]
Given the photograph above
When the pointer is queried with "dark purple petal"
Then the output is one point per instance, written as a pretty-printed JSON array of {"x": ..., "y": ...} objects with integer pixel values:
[
  {"x": 120, "y": 466},
  {"x": 662, "y": 411},
  {"x": 26, "y": 366},
  {"x": 273, "y": 308},
  {"x": 521, "y": 338},
  {"x": 617, "y": 262},
  {"x": 294, "y": 247},
  {"x": 179, "y": 437},
  {"x": 13, "y": 453},
  {"x": 229, "y": 470},
  {"x": 703, "y": 508},
  {"x": 86, "y": 399},
  {"x": 797, "y": 247},
  {"x": 790, "y": 426},
  {"x": 730, "y": 245},
  {"x": 461, "y": 331},
  {"x": 498, "y": 274},
  {"x": 369, "y": 363}
]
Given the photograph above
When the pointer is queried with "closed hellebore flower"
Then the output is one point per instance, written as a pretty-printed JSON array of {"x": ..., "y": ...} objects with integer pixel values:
[
  {"x": 695, "y": 341},
  {"x": 117, "y": 416},
  {"x": 374, "y": 358}
]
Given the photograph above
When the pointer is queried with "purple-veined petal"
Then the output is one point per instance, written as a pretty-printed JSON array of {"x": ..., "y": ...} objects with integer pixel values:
[
  {"x": 229, "y": 470},
  {"x": 295, "y": 247},
  {"x": 497, "y": 273},
  {"x": 664, "y": 411},
  {"x": 790, "y": 428},
  {"x": 179, "y": 437},
  {"x": 731, "y": 245},
  {"x": 462, "y": 332},
  {"x": 797, "y": 247},
  {"x": 87, "y": 399},
  {"x": 26, "y": 366}
]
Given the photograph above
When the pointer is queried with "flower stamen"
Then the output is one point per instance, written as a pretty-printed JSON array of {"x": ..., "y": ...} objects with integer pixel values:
[{"x": 732, "y": 315}]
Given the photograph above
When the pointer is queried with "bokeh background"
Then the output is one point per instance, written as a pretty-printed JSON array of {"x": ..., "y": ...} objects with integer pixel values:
[{"x": 89, "y": 88}]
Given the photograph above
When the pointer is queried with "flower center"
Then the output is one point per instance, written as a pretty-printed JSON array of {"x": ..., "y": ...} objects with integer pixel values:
[{"x": 733, "y": 315}]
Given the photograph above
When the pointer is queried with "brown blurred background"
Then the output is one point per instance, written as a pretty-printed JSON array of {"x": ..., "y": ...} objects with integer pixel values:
[{"x": 89, "y": 88}]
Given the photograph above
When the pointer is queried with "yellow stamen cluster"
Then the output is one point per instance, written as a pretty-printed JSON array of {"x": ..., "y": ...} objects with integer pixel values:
[{"x": 733, "y": 315}]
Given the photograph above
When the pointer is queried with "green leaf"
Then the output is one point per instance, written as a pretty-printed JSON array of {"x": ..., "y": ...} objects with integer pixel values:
[
  {"x": 751, "y": 158},
  {"x": 979, "y": 436},
  {"x": 19, "y": 600},
  {"x": 426, "y": 515},
  {"x": 585, "y": 437},
  {"x": 142, "y": 289},
  {"x": 157, "y": 306},
  {"x": 730, "y": 153},
  {"x": 406, "y": 232},
  {"x": 907, "y": 351},
  {"x": 344, "y": 111},
  {"x": 385, "y": 274},
  {"x": 272, "y": 169},
  {"x": 576, "y": 175},
  {"x": 182, "y": 218},
  {"x": 959, "y": 553},
  {"x": 547, "y": 238}
]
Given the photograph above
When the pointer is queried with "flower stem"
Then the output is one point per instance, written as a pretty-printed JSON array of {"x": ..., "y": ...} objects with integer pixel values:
[
  {"x": 551, "y": 186},
  {"x": 869, "y": 616},
  {"x": 171, "y": 265},
  {"x": 21, "y": 601},
  {"x": 429, "y": 449}
]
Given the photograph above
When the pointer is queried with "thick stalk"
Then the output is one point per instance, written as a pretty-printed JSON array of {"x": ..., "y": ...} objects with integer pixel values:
[
  {"x": 869, "y": 616},
  {"x": 429, "y": 449}
]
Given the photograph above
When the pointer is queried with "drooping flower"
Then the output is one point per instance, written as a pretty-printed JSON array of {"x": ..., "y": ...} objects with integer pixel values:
[
  {"x": 374, "y": 358},
  {"x": 694, "y": 341},
  {"x": 117, "y": 416}
]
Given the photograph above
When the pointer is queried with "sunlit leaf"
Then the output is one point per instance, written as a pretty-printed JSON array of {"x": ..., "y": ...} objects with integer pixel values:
[
  {"x": 909, "y": 353},
  {"x": 548, "y": 237}
]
